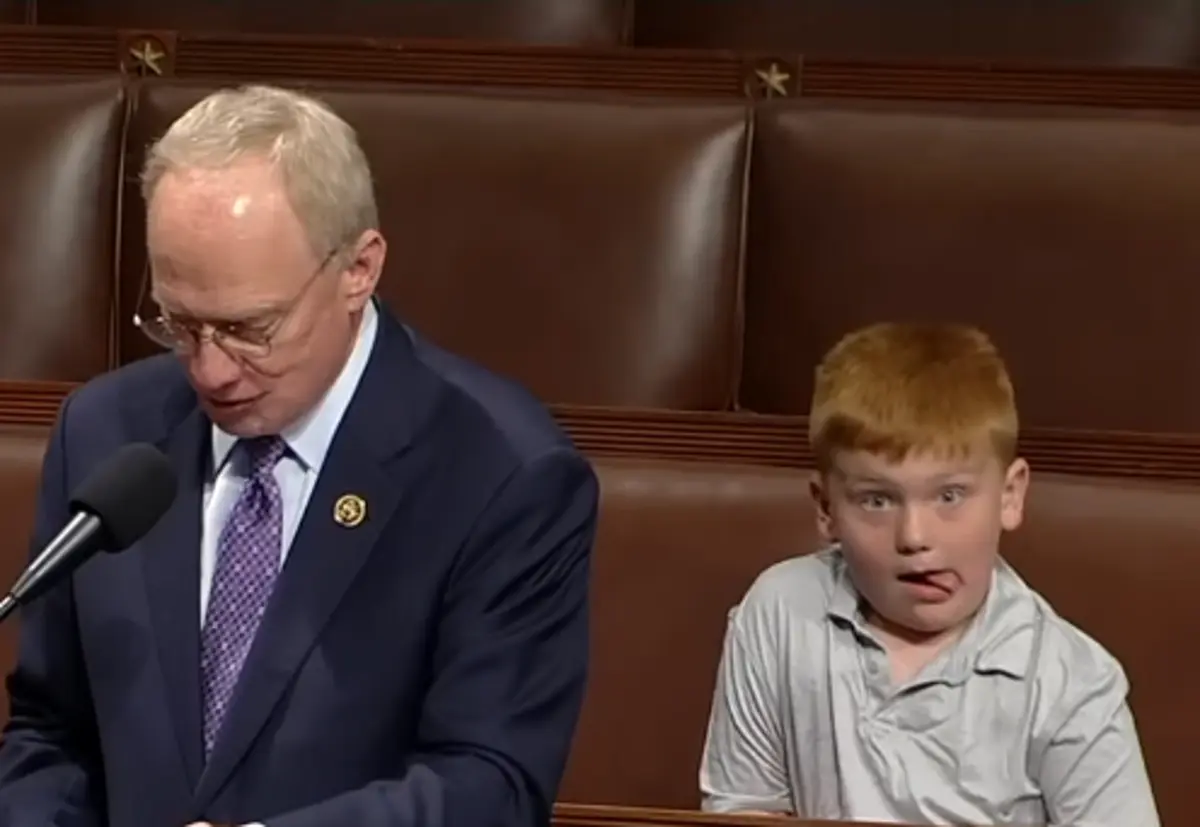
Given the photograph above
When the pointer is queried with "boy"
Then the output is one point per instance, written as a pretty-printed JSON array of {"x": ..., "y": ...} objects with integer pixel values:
[{"x": 906, "y": 673}]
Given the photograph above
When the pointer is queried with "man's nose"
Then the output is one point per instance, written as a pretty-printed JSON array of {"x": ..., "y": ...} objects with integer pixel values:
[{"x": 211, "y": 368}]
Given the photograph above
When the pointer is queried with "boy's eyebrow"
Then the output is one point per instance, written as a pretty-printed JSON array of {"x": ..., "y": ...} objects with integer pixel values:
[
  {"x": 937, "y": 479},
  {"x": 860, "y": 479}
]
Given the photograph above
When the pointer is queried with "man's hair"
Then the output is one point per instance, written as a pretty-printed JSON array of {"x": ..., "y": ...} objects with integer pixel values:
[
  {"x": 323, "y": 169},
  {"x": 894, "y": 389}
]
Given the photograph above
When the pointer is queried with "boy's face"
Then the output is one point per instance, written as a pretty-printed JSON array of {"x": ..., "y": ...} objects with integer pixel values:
[{"x": 921, "y": 536}]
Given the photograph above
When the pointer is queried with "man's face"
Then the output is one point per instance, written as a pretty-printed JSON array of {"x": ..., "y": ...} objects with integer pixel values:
[
  {"x": 921, "y": 537},
  {"x": 230, "y": 262}
]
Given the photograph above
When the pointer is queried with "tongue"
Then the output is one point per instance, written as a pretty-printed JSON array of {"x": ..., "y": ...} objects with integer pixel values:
[{"x": 943, "y": 580}]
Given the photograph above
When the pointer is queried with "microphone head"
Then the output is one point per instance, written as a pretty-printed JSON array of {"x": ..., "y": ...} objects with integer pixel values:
[{"x": 129, "y": 492}]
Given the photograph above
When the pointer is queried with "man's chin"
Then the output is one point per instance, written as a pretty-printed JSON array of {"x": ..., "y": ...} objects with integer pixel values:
[{"x": 240, "y": 420}]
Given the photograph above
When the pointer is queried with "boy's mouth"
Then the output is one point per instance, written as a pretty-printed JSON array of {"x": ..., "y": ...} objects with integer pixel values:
[{"x": 930, "y": 580}]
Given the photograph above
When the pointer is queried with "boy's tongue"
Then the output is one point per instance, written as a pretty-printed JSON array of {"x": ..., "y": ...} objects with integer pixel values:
[{"x": 931, "y": 585}]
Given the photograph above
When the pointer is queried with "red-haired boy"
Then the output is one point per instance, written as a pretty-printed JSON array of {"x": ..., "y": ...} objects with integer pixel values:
[{"x": 907, "y": 673}]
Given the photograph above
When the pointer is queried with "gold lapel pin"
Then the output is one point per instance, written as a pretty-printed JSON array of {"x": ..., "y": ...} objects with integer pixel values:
[{"x": 350, "y": 510}]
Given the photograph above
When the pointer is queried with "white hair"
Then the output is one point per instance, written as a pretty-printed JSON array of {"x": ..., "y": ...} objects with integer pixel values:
[{"x": 324, "y": 170}]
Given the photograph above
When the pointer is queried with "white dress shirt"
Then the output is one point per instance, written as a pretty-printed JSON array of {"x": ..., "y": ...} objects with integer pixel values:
[{"x": 308, "y": 441}]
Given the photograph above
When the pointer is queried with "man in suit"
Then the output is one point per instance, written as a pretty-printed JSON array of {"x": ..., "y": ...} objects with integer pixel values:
[{"x": 367, "y": 606}]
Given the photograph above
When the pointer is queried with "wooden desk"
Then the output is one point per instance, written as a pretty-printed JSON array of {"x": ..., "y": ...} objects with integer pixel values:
[{"x": 603, "y": 815}]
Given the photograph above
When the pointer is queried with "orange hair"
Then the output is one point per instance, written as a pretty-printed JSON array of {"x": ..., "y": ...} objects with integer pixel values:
[{"x": 893, "y": 389}]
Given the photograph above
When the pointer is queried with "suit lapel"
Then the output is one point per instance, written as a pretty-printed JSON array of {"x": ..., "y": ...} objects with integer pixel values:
[
  {"x": 171, "y": 566},
  {"x": 325, "y": 555}
]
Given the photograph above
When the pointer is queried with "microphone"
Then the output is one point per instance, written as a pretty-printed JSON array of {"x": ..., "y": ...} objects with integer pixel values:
[{"x": 114, "y": 507}]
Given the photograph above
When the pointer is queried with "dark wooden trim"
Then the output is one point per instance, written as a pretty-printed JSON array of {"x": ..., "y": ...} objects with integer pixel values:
[
  {"x": 781, "y": 441},
  {"x": 756, "y": 439},
  {"x": 576, "y": 815},
  {"x": 32, "y": 403},
  {"x": 749, "y": 439},
  {"x": 59, "y": 50},
  {"x": 604, "y": 815},
  {"x": 989, "y": 82},
  {"x": 664, "y": 72},
  {"x": 716, "y": 73}
]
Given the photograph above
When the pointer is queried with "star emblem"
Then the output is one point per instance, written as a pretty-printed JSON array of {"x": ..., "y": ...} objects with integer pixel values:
[
  {"x": 148, "y": 56},
  {"x": 773, "y": 80}
]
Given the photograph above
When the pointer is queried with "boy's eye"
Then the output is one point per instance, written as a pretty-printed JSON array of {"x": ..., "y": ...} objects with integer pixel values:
[
  {"x": 874, "y": 500},
  {"x": 953, "y": 494}
]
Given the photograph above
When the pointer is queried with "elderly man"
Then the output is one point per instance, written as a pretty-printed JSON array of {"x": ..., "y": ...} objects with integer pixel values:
[{"x": 368, "y": 604}]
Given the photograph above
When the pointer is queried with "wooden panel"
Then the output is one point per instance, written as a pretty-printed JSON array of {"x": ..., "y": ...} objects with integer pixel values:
[
  {"x": 755, "y": 439},
  {"x": 657, "y": 71},
  {"x": 564, "y": 22},
  {"x": 54, "y": 50},
  {"x": 31, "y": 403},
  {"x": 591, "y": 815},
  {"x": 15, "y": 11},
  {"x": 64, "y": 49},
  {"x": 1000, "y": 82},
  {"x": 448, "y": 63},
  {"x": 1082, "y": 32}
]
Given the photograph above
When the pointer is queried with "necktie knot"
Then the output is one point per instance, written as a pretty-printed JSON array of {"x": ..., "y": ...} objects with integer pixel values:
[{"x": 263, "y": 454}]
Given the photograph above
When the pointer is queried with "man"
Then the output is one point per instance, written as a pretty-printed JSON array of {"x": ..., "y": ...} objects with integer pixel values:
[{"x": 368, "y": 604}]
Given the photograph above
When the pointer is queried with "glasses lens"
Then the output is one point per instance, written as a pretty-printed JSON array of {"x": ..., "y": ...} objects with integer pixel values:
[
  {"x": 162, "y": 333},
  {"x": 182, "y": 340},
  {"x": 244, "y": 348}
]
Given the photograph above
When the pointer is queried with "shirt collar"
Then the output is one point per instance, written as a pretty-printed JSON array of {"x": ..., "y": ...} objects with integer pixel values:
[
  {"x": 309, "y": 438},
  {"x": 999, "y": 638}
]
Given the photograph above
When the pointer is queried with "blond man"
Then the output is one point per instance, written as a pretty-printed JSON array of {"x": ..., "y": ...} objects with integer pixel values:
[{"x": 368, "y": 604}]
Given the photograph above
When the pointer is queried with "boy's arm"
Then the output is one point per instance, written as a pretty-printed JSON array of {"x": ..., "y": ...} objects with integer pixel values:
[
  {"x": 743, "y": 768},
  {"x": 1092, "y": 772}
]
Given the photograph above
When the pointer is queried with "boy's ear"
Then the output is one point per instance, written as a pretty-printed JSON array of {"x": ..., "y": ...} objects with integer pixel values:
[
  {"x": 820, "y": 496},
  {"x": 1012, "y": 500}
]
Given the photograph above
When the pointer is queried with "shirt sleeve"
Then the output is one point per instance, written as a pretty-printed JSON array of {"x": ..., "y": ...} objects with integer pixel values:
[
  {"x": 743, "y": 767},
  {"x": 1092, "y": 770}
]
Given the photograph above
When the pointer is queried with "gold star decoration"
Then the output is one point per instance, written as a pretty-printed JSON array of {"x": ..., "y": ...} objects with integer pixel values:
[
  {"x": 773, "y": 80},
  {"x": 148, "y": 57}
]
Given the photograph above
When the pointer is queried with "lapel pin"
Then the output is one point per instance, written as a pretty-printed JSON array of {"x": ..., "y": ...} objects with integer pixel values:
[{"x": 350, "y": 510}]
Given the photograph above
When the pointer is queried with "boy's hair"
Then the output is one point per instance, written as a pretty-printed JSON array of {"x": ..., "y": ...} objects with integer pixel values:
[{"x": 896, "y": 388}]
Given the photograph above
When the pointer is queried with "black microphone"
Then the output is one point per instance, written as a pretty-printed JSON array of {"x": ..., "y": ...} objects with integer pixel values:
[{"x": 114, "y": 507}]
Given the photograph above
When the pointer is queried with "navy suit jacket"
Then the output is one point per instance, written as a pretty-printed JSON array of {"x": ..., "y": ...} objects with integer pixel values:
[{"x": 424, "y": 669}]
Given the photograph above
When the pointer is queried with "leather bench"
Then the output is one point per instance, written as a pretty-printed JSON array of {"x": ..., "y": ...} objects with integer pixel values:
[{"x": 667, "y": 271}]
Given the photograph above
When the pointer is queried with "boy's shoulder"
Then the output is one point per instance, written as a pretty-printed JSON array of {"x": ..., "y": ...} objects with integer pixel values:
[
  {"x": 795, "y": 590},
  {"x": 1071, "y": 660},
  {"x": 1068, "y": 666}
]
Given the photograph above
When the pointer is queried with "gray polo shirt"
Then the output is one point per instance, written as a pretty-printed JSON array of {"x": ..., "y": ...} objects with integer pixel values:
[{"x": 1023, "y": 720}]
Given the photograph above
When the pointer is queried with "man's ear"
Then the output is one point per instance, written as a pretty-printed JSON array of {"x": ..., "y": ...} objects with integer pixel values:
[
  {"x": 1012, "y": 500},
  {"x": 820, "y": 496},
  {"x": 362, "y": 269}
]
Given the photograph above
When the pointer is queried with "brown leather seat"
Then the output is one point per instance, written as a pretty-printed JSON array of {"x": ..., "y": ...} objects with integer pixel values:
[
  {"x": 577, "y": 226},
  {"x": 21, "y": 450},
  {"x": 624, "y": 251},
  {"x": 1120, "y": 559},
  {"x": 60, "y": 156},
  {"x": 1051, "y": 228},
  {"x": 681, "y": 542}
]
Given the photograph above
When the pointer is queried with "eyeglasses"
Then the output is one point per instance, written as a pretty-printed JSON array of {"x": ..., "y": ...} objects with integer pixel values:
[{"x": 251, "y": 339}]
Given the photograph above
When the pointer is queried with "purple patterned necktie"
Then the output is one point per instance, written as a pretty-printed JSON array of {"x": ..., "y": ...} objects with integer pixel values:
[{"x": 247, "y": 564}]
